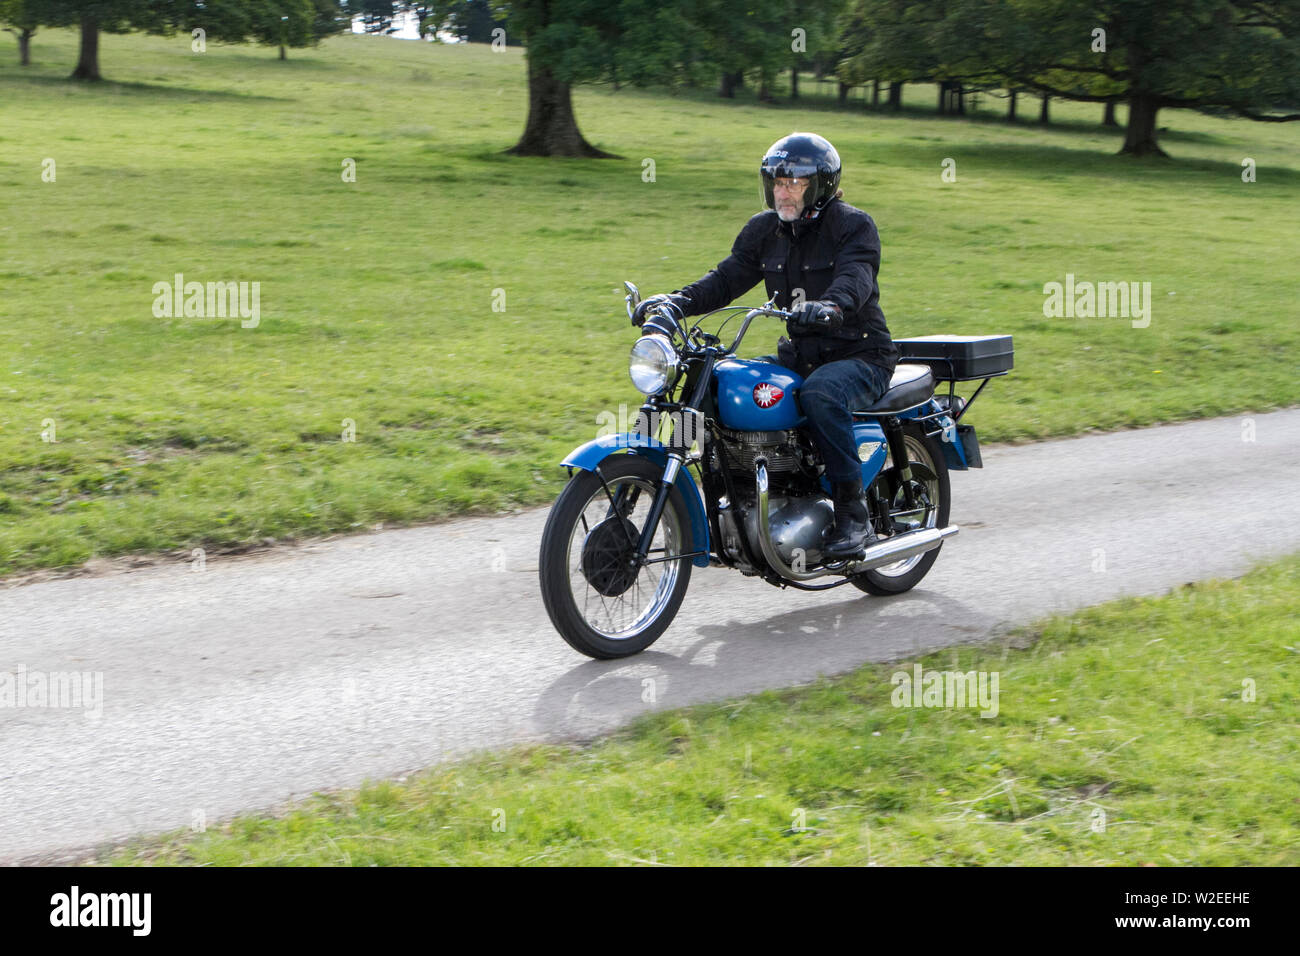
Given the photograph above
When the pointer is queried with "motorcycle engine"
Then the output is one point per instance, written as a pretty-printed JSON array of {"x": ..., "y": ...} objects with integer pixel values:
[
  {"x": 798, "y": 511},
  {"x": 779, "y": 448},
  {"x": 798, "y": 528}
]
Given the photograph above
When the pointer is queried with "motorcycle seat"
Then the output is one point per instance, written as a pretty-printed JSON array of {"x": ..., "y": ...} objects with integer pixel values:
[{"x": 910, "y": 386}]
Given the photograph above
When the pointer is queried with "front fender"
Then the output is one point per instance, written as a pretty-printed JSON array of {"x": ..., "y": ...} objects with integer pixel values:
[{"x": 588, "y": 456}]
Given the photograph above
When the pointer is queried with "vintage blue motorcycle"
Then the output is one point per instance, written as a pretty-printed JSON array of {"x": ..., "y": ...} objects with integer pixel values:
[{"x": 718, "y": 470}]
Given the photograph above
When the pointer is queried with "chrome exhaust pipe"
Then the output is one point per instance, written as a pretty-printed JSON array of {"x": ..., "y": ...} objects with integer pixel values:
[
  {"x": 897, "y": 548},
  {"x": 901, "y": 547}
]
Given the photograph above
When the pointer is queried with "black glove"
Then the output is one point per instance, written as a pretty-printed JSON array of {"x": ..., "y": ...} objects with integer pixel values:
[
  {"x": 817, "y": 314},
  {"x": 672, "y": 303}
]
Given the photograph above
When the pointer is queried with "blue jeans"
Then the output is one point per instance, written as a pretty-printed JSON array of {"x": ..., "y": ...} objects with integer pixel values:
[{"x": 829, "y": 397}]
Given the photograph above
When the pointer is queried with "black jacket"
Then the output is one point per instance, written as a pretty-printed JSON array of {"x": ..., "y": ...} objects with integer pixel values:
[{"x": 834, "y": 257}]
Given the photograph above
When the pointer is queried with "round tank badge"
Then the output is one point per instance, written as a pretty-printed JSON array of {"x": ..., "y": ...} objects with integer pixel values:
[{"x": 766, "y": 395}]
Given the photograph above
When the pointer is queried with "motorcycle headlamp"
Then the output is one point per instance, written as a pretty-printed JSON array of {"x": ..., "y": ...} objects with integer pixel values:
[{"x": 652, "y": 363}]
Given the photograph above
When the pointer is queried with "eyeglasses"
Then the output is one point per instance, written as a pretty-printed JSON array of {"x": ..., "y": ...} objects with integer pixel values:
[{"x": 791, "y": 185}]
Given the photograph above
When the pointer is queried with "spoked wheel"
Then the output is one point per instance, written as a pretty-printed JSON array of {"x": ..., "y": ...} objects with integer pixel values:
[
  {"x": 931, "y": 492},
  {"x": 599, "y": 600}
]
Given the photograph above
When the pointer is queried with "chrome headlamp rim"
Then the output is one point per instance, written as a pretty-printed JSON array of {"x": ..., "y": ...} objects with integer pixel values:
[{"x": 652, "y": 363}]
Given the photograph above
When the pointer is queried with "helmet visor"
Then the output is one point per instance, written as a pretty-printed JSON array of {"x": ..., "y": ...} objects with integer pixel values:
[
  {"x": 789, "y": 168},
  {"x": 787, "y": 187}
]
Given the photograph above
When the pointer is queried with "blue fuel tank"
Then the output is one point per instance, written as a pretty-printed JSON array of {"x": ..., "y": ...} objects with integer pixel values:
[{"x": 757, "y": 396}]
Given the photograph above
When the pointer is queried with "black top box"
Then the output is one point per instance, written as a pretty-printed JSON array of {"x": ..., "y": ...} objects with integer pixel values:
[{"x": 958, "y": 358}]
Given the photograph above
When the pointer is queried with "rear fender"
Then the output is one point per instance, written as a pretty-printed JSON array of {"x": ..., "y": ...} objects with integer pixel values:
[{"x": 953, "y": 452}]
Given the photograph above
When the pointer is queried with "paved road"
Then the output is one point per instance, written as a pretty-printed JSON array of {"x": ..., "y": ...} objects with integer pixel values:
[{"x": 263, "y": 678}]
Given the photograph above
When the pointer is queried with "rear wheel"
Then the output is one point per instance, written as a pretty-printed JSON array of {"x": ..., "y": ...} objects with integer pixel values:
[
  {"x": 602, "y": 603},
  {"x": 931, "y": 490}
]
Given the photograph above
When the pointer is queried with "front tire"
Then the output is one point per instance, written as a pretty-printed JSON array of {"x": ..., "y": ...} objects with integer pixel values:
[
  {"x": 926, "y": 452},
  {"x": 602, "y": 606}
]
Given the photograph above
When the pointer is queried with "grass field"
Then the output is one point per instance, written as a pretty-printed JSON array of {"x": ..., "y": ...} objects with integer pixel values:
[
  {"x": 1157, "y": 731},
  {"x": 377, "y": 295}
]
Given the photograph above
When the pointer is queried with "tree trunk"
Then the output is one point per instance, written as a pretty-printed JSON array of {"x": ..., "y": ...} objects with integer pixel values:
[
  {"x": 25, "y": 46},
  {"x": 1011, "y": 107},
  {"x": 1140, "y": 137},
  {"x": 551, "y": 129},
  {"x": 283, "y": 55},
  {"x": 950, "y": 98},
  {"x": 764, "y": 92},
  {"x": 875, "y": 94},
  {"x": 727, "y": 88},
  {"x": 1042, "y": 113},
  {"x": 844, "y": 93},
  {"x": 896, "y": 95},
  {"x": 88, "y": 59},
  {"x": 1108, "y": 118},
  {"x": 794, "y": 82}
]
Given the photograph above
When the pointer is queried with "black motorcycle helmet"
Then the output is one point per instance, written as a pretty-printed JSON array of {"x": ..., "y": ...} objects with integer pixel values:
[{"x": 802, "y": 155}]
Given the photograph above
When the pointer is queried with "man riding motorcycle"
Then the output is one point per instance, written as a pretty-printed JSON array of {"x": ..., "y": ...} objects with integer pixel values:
[{"x": 819, "y": 257}]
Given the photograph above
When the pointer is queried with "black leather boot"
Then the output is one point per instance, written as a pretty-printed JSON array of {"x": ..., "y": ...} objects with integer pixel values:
[{"x": 852, "y": 531}]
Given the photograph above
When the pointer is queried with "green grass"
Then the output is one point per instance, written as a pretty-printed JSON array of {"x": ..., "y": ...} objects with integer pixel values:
[
  {"x": 1125, "y": 735},
  {"x": 377, "y": 296}
]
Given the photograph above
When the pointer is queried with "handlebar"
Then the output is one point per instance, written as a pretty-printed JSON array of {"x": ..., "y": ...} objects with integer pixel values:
[{"x": 767, "y": 308}]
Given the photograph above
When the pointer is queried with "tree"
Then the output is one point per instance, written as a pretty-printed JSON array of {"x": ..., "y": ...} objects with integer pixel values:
[
  {"x": 578, "y": 41},
  {"x": 472, "y": 21},
  {"x": 221, "y": 20},
  {"x": 560, "y": 36},
  {"x": 294, "y": 23},
  {"x": 854, "y": 33},
  {"x": 426, "y": 17},
  {"x": 108, "y": 16},
  {"x": 728, "y": 38},
  {"x": 1238, "y": 57},
  {"x": 895, "y": 42},
  {"x": 22, "y": 20},
  {"x": 819, "y": 39},
  {"x": 375, "y": 16}
]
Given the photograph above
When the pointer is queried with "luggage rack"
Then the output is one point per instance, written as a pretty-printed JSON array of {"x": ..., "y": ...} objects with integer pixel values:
[
  {"x": 959, "y": 358},
  {"x": 952, "y": 393}
]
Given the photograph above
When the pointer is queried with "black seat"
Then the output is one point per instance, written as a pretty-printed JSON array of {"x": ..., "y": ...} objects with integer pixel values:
[{"x": 911, "y": 385}]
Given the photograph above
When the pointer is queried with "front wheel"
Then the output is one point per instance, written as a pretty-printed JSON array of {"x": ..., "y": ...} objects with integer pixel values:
[
  {"x": 599, "y": 601},
  {"x": 931, "y": 490}
]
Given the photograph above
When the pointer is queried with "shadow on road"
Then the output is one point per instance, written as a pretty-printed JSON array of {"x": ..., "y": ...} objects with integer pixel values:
[{"x": 737, "y": 657}]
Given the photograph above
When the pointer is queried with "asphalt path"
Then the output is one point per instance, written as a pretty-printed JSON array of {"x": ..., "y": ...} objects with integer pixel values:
[{"x": 263, "y": 678}]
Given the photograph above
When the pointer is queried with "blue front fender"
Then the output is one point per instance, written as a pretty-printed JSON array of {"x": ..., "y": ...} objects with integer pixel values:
[{"x": 588, "y": 456}]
